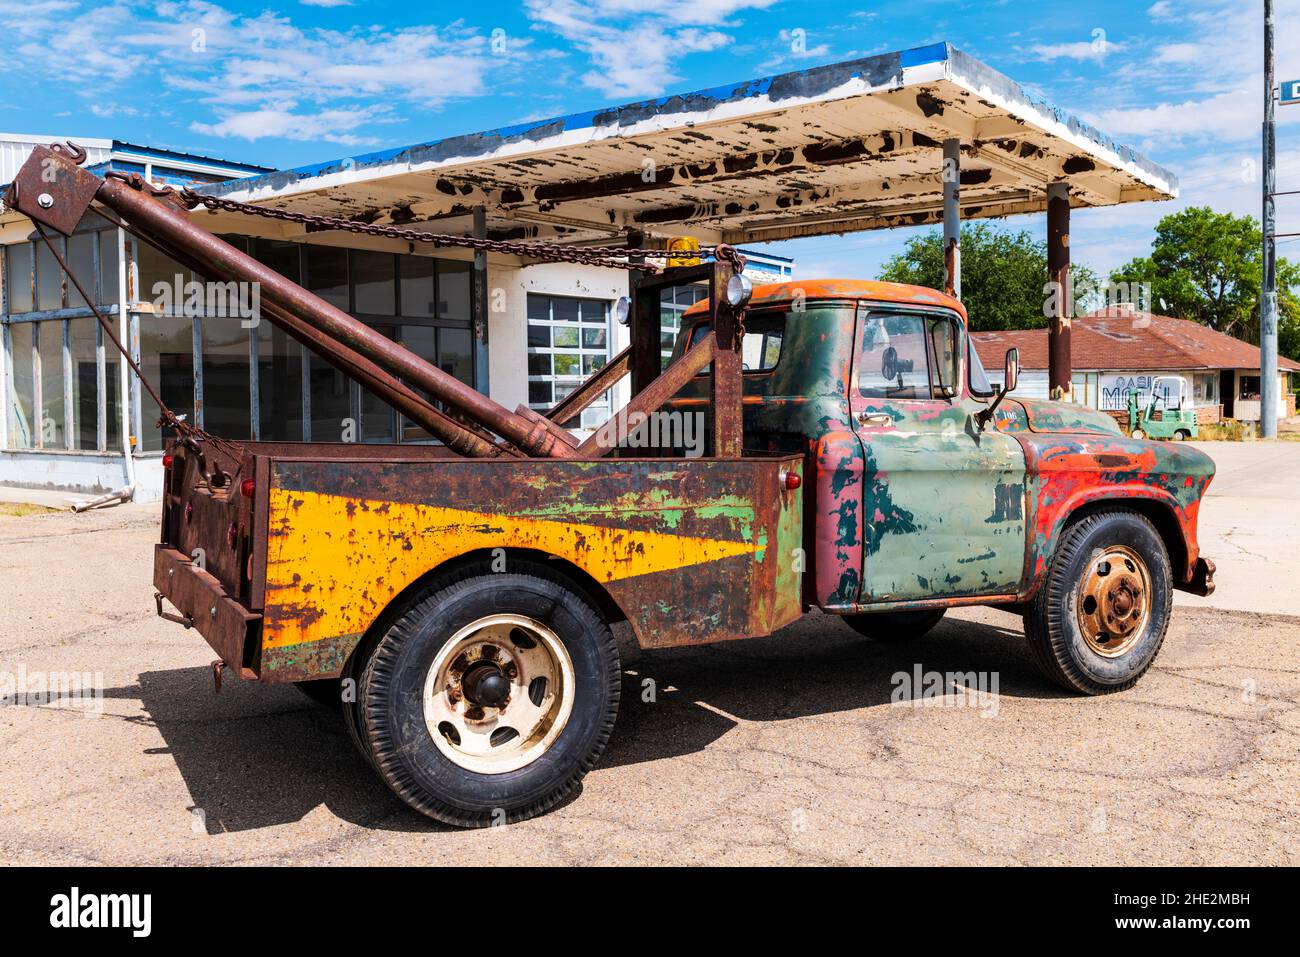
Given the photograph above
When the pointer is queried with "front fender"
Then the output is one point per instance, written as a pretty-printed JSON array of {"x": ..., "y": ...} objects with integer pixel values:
[{"x": 1165, "y": 481}]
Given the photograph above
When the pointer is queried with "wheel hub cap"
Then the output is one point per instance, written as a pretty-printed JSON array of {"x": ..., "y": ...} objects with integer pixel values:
[
  {"x": 1114, "y": 600},
  {"x": 498, "y": 693}
]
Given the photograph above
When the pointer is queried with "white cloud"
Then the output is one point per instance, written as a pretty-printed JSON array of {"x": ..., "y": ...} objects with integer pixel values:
[
  {"x": 1181, "y": 53},
  {"x": 633, "y": 47},
  {"x": 1095, "y": 50},
  {"x": 1162, "y": 10},
  {"x": 244, "y": 68},
  {"x": 326, "y": 3},
  {"x": 331, "y": 126}
]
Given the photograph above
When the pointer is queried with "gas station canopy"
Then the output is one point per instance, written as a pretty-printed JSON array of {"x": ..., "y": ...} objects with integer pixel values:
[{"x": 831, "y": 149}]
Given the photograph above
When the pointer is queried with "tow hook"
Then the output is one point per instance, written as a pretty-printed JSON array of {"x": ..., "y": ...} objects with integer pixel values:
[{"x": 185, "y": 620}]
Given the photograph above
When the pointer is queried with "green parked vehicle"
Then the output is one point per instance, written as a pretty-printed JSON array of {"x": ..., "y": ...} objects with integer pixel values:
[{"x": 1171, "y": 413}]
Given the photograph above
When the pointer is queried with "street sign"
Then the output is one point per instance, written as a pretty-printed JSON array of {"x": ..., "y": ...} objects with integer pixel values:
[{"x": 1290, "y": 92}]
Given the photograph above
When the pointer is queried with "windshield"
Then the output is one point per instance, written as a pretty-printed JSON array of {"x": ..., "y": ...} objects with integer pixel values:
[{"x": 979, "y": 379}]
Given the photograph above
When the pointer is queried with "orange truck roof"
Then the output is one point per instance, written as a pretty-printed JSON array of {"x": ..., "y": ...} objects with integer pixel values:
[{"x": 775, "y": 293}]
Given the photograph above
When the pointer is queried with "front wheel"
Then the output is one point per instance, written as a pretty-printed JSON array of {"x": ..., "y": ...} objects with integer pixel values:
[
  {"x": 1138, "y": 434},
  {"x": 491, "y": 698},
  {"x": 1182, "y": 435},
  {"x": 895, "y": 626},
  {"x": 1099, "y": 619}
]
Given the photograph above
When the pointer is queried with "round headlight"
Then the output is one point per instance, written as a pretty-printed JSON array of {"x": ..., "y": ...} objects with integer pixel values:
[
  {"x": 739, "y": 289},
  {"x": 623, "y": 310}
]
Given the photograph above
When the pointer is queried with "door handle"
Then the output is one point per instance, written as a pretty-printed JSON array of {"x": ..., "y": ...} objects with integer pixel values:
[{"x": 875, "y": 418}]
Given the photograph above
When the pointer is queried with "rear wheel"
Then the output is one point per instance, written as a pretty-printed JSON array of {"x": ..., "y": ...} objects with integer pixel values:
[
  {"x": 895, "y": 626},
  {"x": 1098, "y": 621},
  {"x": 1138, "y": 434},
  {"x": 491, "y": 698},
  {"x": 1182, "y": 435}
]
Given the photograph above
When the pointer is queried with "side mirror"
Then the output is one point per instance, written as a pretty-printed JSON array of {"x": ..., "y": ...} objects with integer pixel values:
[{"x": 1010, "y": 377}]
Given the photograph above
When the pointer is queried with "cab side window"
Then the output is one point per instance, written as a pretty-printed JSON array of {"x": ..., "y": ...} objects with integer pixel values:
[
  {"x": 892, "y": 362},
  {"x": 761, "y": 347},
  {"x": 909, "y": 356}
]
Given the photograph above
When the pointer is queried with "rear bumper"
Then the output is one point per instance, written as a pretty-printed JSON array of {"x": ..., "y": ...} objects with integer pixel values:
[{"x": 230, "y": 628}]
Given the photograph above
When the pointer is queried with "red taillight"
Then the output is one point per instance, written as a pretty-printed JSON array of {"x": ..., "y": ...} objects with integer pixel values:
[
  {"x": 247, "y": 487},
  {"x": 168, "y": 459},
  {"x": 791, "y": 480}
]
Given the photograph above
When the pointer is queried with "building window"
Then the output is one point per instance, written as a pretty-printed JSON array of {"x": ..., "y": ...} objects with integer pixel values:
[
  {"x": 80, "y": 254},
  {"x": 18, "y": 282},
  {"x": 1249, "y": 387},
  {"x": 279, "y": 382},
  {"x": 327, "y": 274},
  {"x": 167, "y": 362},
  {"x": 374, "y": 278},
  {"x": 673, "y": 301},
  {"x": 61, "y": 375},
  {"x": 1083, "y": 389},
  {"x": 568, "y": 340},
  {"x": 83, "y": 351},
  {"x": 22, "y": 383},
  {"x": 49, "y": 279},
  {"x": 253, "y": 380}
]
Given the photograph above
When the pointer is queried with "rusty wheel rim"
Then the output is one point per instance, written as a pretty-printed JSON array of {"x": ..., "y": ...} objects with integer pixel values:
[
  {"x": 499, "y": 693},
  {"x": 1114, "y": 601}
]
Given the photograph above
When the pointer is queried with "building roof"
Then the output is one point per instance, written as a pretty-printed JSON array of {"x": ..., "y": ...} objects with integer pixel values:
[
  {"x": 776, "y": 293},
  {"x": 829, "y": 149},
  {"x": 1121, "y": 338},
  {"x": 165, "y": 166}
]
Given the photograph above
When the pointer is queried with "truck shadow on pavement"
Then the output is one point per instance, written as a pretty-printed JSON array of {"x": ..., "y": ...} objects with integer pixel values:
[{"x": 258, "y": 756}]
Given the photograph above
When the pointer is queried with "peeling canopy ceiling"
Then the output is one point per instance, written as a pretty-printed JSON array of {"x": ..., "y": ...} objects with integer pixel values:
[{"x": 831, "y": 149}]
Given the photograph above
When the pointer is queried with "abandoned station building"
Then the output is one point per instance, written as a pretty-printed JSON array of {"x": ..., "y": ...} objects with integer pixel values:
[{"x": 832, "y": 149}]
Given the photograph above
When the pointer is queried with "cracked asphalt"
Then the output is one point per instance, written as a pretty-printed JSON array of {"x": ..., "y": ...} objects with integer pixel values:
[{"x": 785, "y": 750}]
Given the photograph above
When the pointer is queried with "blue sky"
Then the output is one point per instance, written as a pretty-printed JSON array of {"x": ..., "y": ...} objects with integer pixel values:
[{"x": 289, "y": 83}]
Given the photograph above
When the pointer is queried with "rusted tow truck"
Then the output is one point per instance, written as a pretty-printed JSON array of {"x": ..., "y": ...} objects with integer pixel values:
[{"x": 456, "y": 600}]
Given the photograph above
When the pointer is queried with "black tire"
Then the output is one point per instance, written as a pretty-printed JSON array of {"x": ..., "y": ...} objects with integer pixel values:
[
  {"x": 392, "y": 690},
  {"x": 1052, "y": 624},
  {"x": 1182, "y": 435},
  {"x": 350, "y": 704},
  {"x": 892, "y": 627},
  {"x": 326, "y": 692}
]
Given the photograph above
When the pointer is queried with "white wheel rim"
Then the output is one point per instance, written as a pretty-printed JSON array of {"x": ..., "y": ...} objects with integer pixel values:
[{"x": 539, "y": 672}]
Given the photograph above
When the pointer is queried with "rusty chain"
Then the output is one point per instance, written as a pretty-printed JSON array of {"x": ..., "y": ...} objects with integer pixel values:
[{"x": 614, "y": 257}]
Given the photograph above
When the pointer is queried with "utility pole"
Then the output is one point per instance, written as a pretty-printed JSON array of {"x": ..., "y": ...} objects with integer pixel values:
[{"x": 1268, "y": 386}]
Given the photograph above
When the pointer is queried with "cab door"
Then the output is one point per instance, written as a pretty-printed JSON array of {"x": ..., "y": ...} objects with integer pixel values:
[{"x": 944, "y": 501}]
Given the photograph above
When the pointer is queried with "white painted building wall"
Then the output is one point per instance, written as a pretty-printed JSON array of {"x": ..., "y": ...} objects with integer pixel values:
[{"x": 508, "y": 290}]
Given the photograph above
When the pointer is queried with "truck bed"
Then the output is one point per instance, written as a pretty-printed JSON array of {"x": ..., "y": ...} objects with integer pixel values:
[{"x": 285, "y": 564}]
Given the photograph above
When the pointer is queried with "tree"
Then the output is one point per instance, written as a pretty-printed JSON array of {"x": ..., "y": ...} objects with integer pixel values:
[
  {"x": 1208, "y": 267},
  {"x": 1003, "y": 274}
]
